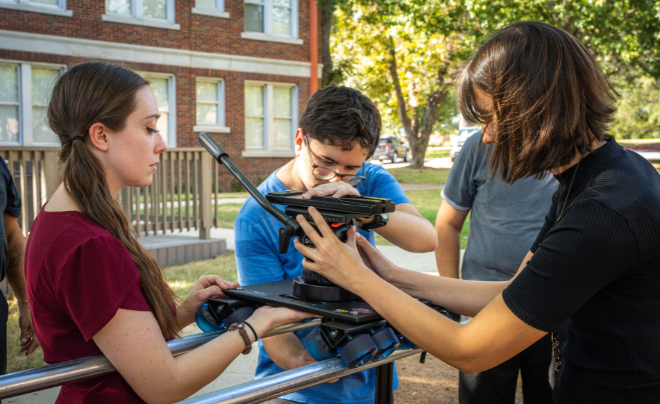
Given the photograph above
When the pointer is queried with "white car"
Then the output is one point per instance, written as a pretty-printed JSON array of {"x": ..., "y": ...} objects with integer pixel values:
[{"x": 460, "y": 138}]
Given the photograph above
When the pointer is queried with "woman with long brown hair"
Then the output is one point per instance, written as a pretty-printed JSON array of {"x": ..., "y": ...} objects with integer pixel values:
[
  {"x": 545, "y": 104},
  {"x": 93, "y": 288}
]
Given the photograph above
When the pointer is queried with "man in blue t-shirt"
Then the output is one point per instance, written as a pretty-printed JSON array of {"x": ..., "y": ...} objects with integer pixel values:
[
  {"x": 504, "y": 224},
  {"x": 338, "y": 132}
]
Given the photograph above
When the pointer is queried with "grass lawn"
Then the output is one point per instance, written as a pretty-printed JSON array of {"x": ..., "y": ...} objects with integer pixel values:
[
  {"x": 426, "y": 175},
  {"x": 16, "y": 360},
  {"x": 227, "y": 213},
  {"x": 182, "y": 278},
  {"x": 436, "y": 154}
]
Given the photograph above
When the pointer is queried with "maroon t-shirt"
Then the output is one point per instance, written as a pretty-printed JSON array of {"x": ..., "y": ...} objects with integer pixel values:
[{"x": 78, "y": 276}]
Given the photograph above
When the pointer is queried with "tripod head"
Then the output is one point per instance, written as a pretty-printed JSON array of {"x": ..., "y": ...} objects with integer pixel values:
[{"x": 339, "y": 213}]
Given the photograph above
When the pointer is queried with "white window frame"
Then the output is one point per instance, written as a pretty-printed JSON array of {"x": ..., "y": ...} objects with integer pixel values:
[
  {"x": 218, "y": 11},
  {"x": 220, "y": 126},
  {"x": 268, "y": 34},
  {"x": 269, "y": 116},
  {"x": 25, "y": 102},
  {"x": 137, "y": 16},
  {"x": 27, "y": 5},
  {"x": 171, "y": 100}
]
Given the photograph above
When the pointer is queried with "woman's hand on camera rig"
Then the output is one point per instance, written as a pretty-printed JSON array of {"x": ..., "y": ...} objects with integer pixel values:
[
  {"x": 206, "y": 287},
  {"x": 337, "y": 261}
]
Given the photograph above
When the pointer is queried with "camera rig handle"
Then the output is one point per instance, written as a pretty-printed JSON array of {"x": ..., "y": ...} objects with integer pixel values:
[{"x": 291, "y": 227}]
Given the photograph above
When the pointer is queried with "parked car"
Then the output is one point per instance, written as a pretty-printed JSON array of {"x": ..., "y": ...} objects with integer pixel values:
[
  {"x": 391, "y": 148},
  {"x": 459, "y": 139}
]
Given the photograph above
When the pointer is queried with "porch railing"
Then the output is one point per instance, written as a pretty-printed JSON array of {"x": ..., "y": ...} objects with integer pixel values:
[{"x": 182, "y": 196}]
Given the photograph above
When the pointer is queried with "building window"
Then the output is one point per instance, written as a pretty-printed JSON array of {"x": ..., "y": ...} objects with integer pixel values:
[
  {"x": 155, "y": 13},
  {"x": 9, "y": 104},
  {"x": 214, "y": 8},
  {"x": 270, "y": 117},
  {"x": 274, "y": 20},
  {"x": 210, "y": 103},
  {"x": 43, "y": 80},
  {"x": 163, "y": 87},
  {"x": 55, "y": 7},
  {"x": 25, "y": 91}
]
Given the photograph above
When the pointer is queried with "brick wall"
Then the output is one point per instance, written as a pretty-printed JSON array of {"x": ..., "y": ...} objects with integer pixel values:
[
  {"x": 197, "y": 33},
  {"x": 234, "y": 142}
]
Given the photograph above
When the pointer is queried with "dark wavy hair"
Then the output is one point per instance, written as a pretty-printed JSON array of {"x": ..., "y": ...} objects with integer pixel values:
[
  {"x": 341, "y": 116},
  {"x": 94, "y": 92},
  {"x": 549, "y": 94}
]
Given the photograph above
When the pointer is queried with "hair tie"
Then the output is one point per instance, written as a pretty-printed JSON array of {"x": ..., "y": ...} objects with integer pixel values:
[{"x": 77, "y": 137}]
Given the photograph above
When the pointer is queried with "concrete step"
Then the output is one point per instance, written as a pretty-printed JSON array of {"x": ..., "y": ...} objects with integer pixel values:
[{"x": 174, "y": 249}]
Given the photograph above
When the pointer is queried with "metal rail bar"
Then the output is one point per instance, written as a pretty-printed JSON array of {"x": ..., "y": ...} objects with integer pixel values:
[
  {"x": 270, "y": 387},
  {"x": 28, "y": 381}
]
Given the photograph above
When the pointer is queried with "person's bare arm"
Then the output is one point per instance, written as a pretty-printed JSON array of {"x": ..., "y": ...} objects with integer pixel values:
[
  {"x": 133, "y": 343},
  {"x": 448, "y": 226},
  {"x": 287, "y": 351},
  {"x": 493, "y": 336},
  {"x": 408, "y": 229},
  {"x": 16, "y": 279}
]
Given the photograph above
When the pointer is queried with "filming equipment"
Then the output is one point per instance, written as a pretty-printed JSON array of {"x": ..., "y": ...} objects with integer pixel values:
[{"x": 350, "y": 327}]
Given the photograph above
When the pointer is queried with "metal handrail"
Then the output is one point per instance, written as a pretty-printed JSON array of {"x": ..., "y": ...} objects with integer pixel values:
[
  {"x": 28, "y": 381},
  {"x": 270, "y": 387}
]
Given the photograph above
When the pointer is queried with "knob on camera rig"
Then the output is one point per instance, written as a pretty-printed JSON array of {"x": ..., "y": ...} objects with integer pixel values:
[{"x": 339, "y": 213}]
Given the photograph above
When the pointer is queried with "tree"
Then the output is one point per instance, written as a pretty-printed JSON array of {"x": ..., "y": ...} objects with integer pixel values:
[
  {"x": 638, "y": 115},
  {"x": 400, "y": 63},
  {"x": 406, "y": 54}
]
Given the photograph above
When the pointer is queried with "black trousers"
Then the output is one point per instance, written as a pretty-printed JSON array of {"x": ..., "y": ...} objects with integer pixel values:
[
  {"x": 498, "y": 385},
  {"x": 4, "y": 314}
]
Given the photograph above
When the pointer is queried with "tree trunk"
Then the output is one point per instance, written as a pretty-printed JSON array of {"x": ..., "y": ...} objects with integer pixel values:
[
  {"x": 430, "y": 115},
  {"x": 418, "y": 138},
  {"x": 327, "y": 19}
]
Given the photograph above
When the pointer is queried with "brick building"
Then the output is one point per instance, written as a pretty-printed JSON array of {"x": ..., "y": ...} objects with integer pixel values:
[{"x": 238, "y": 69}]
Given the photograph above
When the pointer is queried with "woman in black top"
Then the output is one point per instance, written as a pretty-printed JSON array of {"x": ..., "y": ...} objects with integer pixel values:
[{"x": 542, "y": 100}]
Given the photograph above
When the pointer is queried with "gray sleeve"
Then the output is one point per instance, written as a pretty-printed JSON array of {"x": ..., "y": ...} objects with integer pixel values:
[{"x": 461, "y": 188}]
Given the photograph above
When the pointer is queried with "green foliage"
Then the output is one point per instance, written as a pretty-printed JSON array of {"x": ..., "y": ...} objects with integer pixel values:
[
  {"x": 368, "y": 34},
  {"x": 420, "y": 35},
  {"x": 638, "y": 115}
]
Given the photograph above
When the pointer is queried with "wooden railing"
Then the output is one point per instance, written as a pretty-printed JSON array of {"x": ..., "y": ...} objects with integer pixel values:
[
  {"x": 35, "y": 174},
  {"x": 181, "y": 196}
]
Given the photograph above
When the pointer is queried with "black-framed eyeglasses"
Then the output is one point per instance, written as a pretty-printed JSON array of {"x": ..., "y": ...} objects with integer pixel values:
[{"x": 326, "y": 174}]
